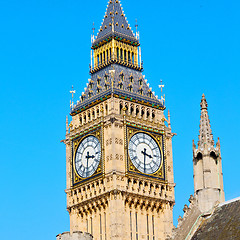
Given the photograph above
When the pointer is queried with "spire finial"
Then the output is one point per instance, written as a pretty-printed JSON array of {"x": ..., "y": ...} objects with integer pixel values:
[
  {"x": 203, "y": 103},
  {"x": 205, "y": 132},
  {"x": 136, "y": 25},
  {"x": 72, "y": 92}
]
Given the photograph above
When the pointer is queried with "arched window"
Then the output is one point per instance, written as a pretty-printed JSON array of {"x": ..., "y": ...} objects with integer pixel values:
[
  {"x": 120, "y": 108},
  {"x": 101, "y": 58},
  {"x": 129, "y": 57},
  {"x": 132, "y": 58},
  {"x": 110, "y": 53},
  {"x": 117, "y": 53},
  {"x": 148, "y": 114},
  {"x": 107, "y": 56},
  {"x": 153, "y": 115},
  {"x": 137, "y": 111},
  {"x": 121, "y": 54},
  {"x": 106, "y": 108},
  {"x": 104, "y": 57},
  {"x": 131, "y": 110},
  {"x": 125, "y": 55},
  {"x": 98, "y": 60}
]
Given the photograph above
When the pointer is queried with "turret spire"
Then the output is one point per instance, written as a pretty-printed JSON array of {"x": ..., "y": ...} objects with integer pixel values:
[
  {"x": 207, "y": 165},
  {"x": 205, "y": 132}
]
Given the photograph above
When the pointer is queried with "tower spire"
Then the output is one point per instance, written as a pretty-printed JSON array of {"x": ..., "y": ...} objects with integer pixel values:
[
  {"x": 207, "y": 165},
  {"x": 205, "y": 132}
]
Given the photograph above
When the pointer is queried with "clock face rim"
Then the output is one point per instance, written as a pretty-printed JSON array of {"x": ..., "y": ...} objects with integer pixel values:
[
  {"x": 159, "y": 166},
  {"x": 98, "y": 158}
]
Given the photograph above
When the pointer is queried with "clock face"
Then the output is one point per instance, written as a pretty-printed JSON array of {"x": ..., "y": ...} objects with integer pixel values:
[
  {"x": 88, "y": 157},
  {"x": 144, "y": 153}
]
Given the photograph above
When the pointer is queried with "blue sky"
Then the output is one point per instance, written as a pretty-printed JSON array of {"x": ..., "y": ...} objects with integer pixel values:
[{"x": 45, "y": 49}]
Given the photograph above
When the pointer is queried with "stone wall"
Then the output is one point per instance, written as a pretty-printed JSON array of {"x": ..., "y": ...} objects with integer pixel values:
[{"x": 74, "y": 236}]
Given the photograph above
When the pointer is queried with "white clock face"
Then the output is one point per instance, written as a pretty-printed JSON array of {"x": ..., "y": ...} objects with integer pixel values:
[
  {"x": 144, "y": 153},
  {"x": 88, "y": 157}
]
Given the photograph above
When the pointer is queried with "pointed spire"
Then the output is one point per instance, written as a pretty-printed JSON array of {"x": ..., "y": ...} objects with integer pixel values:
[
  {"x": 205, "y": 132},
  {"x": 115, "y": 23}
]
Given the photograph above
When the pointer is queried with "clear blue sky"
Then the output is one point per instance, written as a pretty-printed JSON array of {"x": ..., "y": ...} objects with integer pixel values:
[{"x": 45, "y": 48}]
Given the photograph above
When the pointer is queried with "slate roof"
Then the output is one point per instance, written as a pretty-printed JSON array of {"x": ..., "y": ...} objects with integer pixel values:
[
  {"x": 116, "y": 17},
  {"x": 126, "y": 82},
  {"x": 224, "y": 223}
]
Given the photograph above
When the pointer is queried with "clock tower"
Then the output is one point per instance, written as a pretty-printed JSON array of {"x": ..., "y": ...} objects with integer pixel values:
[{"x": 119, "y": 144}]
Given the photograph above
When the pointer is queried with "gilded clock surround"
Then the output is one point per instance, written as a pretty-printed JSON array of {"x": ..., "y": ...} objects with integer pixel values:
[
  {"x": 100, "y": 170},
  {"x": 159, "y": 138}
]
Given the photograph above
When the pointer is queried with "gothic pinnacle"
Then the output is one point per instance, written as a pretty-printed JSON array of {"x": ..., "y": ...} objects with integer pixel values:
[
  {"x": 204, "y": 104},
  {"x": 205, "y": 132}
]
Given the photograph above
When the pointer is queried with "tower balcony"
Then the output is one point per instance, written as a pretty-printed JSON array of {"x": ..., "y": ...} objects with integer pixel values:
[{"x": 114, "y": 59}]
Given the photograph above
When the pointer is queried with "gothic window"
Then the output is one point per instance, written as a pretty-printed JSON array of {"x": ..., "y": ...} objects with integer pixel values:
[
  {"x": 120, "y": 85},
  {"x": 129, "y": 56},
  {"x": 153, "y": 115},
  {"x": 150, "y": 94},
  {"x": 140, "y": 82},
  {"x": 141, "y": 91},
  {"x": 106, "y": 77},
  {"x": 126, "y": 107},
  {"x": 131, "y": 79},
  {"x": 121, "y": 54},
  {"x": 89, "y": 94},
  {"x": 137, "y": 111},
  {"x": 89, "y": 116},
  {"x": 125, "y": 55},
  {"x": 117, "y": 53},
  {"x": 142, "y": 113},
  {"x": 98, "y": 112},
  {"x": 98, "y": 80},
  {"x": 98, "y": 59},
  {"x": 93, "y": 114},
  {"x": 121, "y": 76},
  {"x": 104, "y": 57},
  {"x": 132, "y": 58},
  {"x": 101, "y": 58},
  {"x": 148, "y": 114},
  {"x": 131, "y": 110},
  {"x": 90, "y": 85},
  {"x": 120, "y": 108},
  {"x": 110, "y": 53},
  {"x": 107, "y": 55},
  {"x": 80, "y": 120},
  {"x": 106, "y": 108},
  {"x": 130, "y": 88}
]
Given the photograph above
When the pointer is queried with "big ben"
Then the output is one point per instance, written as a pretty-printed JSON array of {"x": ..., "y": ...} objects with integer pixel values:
[{"x": 120, "y": 181}]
